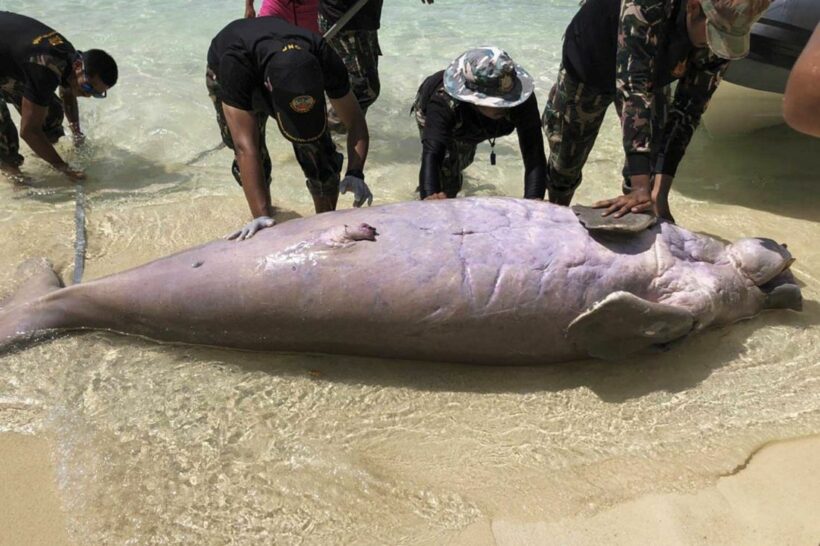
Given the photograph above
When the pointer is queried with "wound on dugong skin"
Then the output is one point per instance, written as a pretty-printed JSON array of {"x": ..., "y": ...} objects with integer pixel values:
[{"x": 362, "y": 232}]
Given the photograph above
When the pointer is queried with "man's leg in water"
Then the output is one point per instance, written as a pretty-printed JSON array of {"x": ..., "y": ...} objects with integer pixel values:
[
  {"x": 261, "y": 122},
  {"x": 360, "y": 51},
  {"x": 571, "y": 121},
  {"x": 10, "y": 158},
  {"x": 322, "y": 166}
]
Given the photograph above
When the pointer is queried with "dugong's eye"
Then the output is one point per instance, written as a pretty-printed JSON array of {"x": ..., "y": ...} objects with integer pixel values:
[{"x": 760, "y": 259}]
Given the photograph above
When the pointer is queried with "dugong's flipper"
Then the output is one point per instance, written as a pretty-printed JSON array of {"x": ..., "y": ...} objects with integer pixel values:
[
  {"x": 624, "y": 323},
  {"x": 628, "y": 223},
  {"x": 782, "y": 292}
]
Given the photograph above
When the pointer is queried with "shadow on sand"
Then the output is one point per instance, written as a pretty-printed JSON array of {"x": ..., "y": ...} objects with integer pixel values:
[
  {"x": 112, "y": 173},
  {"x": 773, "y": 170}
]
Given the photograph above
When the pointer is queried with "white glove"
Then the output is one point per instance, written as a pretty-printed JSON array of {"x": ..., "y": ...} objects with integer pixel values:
[
  {"x": 252, "y": 227},
  {"x": 361, "y": 192}
]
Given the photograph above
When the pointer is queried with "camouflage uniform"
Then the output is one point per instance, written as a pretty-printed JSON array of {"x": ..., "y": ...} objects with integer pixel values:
[
  {"x": 11, "y": 92},
  {"x": 359, "y": 49},
  {"x": 656, "y": 126},
  {"x": 458, "y": 156},
  {"x": 320, "y": 161}
]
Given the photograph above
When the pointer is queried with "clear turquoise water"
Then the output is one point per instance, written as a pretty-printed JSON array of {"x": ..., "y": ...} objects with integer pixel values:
[{"x": 168, "y": 445}]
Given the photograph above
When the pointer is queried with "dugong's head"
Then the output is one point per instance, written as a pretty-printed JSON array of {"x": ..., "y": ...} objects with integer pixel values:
[{"x": 766, "y": 264}]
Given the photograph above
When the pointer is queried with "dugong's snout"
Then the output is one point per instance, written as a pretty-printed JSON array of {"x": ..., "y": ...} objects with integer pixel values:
[{"x": 766, "y": 263}]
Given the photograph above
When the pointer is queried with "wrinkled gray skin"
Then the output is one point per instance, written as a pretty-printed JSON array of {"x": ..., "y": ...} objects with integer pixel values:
[{"x": 478, "y": 280}]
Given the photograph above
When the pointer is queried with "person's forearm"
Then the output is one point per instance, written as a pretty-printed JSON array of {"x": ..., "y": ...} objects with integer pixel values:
[
  {"x": 641, "y": 182},
  {"x": 638, "y": 34},
  {"x": 253, "y": 185},
  {"x": 38, "y": 142},
  {"x": 531, "y": 143},
  {"x": 72, "y": 110},
  {"x": 249, "y": 11},
  {"x": 801, "y": 105},
  {"x": 535, "y": 182},
  {"x": 692, "y": 96},
  {"x": 358, "y": 143},
  {"x": 432, "y": 157}
]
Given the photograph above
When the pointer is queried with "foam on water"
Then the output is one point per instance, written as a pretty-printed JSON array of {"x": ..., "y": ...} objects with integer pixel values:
[{"x": 170, "y": 444}]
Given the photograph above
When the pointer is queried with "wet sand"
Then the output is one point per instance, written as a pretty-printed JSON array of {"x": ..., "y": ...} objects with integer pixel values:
[
  {"x": 773, "y": 498},
  {"x": 31, "y": 511},
  {"x": 192, "y": 445}
]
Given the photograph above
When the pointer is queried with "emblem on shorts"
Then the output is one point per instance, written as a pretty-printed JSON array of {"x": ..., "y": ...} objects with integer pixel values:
[{"x": 302, "y": 104}]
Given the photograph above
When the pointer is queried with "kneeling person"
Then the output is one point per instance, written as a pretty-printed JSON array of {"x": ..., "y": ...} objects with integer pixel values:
[
  {"x": 267, "y": 67},
  {"x": 482, "y": 95},
  {"x": 34, "y": 61}
]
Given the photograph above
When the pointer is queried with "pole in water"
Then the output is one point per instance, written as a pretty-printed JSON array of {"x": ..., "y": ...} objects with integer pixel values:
[{"x": 79, "y": 234}]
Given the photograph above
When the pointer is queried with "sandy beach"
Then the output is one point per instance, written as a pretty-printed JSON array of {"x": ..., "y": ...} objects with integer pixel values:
[
  {"x": 771, "y": 499},
  {"x": 110, "y": 439},
  {"x": 31, "y": 511}
]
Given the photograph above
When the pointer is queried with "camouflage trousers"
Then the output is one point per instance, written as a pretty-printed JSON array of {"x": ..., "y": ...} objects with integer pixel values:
[
  {"x": 572, "y": 119},
  {"x": 458, "y": 156},
  {"x": 11, "y": 92},
  {"x": 360, "y": 51},
  {"x": 319, "y": 160}
]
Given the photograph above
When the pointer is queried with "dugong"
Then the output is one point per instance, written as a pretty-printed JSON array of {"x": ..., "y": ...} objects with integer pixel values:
[{"x": 486, "y": 280}]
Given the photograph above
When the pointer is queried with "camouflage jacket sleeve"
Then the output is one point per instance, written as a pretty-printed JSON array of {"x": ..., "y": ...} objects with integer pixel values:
[
  {"x": 639, "y": 33},
  {"x": 691, "y": 99}
]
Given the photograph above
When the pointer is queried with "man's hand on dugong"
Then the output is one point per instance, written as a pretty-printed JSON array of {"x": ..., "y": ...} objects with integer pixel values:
[
  {"x": 249, "y": 229},
  {"x": 635, "y": 201}
]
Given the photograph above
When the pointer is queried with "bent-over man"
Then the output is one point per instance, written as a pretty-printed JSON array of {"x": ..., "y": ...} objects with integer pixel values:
[{"x": 265, "y": 67}]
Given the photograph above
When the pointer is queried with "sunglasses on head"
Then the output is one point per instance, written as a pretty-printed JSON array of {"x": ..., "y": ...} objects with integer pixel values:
[{"x": 86, "y": 86}]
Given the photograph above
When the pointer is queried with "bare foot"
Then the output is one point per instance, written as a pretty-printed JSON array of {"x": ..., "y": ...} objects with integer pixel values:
[
  {"x": 10, "y": 170},
  {"x": 15, "y": 176}
]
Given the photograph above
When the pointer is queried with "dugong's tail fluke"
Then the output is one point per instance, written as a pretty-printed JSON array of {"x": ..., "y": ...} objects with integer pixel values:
[{"x": 22, "y": 319}]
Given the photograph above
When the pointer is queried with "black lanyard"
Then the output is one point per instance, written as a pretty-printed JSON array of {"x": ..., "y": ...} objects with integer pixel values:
[{"x": 487, "y": 134}]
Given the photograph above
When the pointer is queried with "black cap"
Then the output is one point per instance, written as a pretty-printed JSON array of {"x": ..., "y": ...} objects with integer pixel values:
[{"x": 297, "y": 93}]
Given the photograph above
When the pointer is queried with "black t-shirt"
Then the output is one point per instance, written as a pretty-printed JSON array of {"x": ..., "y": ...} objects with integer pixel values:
[
  {"x": 34, "y": 54},
  {"x": 239, "y": 53},
  {"x": 368, "y": 18},
  {"x": 591, "y": 44}
]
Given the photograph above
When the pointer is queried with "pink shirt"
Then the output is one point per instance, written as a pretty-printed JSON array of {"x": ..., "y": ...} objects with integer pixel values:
[{"x": 302, "y": 13}]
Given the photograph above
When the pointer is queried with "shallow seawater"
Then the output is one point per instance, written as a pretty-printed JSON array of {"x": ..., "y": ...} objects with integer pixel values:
[{"x": 175, "y": 444}]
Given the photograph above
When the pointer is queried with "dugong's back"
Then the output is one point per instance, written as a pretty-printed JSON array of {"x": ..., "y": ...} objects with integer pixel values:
[{"x": 475, "y": 280}]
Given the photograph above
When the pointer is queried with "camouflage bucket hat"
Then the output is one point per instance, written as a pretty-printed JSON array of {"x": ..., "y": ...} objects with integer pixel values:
[
  {"x": 729, "y": 23},
  {"x": 487, "y": 76}
]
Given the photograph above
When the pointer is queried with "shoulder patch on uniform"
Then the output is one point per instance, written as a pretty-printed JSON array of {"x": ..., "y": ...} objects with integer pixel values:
[
  {"x": 302, "y": 104},
  {"x": 53, "y": 38}
]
